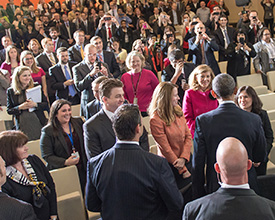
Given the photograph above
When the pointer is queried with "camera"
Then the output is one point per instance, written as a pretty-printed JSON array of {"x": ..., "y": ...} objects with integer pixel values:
[
  {"x": 169, "y": 35},
  {"x": 194, "y": 23},
  {"x": 98, "y": 64},
  {"x": 216, "y": 13},
  {"x": 107, "y": 18},
  {"x": 254, "y": 17},
  {"x": 200, "y": 32},
  {"x": 242, "y": 40}
]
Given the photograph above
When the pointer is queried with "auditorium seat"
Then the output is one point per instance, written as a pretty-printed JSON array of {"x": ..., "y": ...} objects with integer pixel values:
[
  {"x": 154, "y": 149},
  {"x": 75, "y": 110},
  {"x": 2, "y": 125},
  {"x": 271, "y": 80},
  {"x": 253, "y": 80},
  {"x": 223, "y": 66},
  {"x": 268, "y": 101},
  {"x": 146, "y": 123},
  {"x": 34, "y": 148},
  {"x": 151, "y": 140}
]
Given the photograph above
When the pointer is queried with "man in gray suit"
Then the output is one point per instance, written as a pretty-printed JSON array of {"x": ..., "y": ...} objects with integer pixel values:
[
  {"x": 85, "y": 73},
  {"x": 13, "y": 209},
  {"x": 98, "y": 132},
  {"x": 234, "y": 199}
]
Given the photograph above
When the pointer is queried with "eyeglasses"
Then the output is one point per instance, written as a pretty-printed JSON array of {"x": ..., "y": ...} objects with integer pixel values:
[{"x": 27, "y": 59}]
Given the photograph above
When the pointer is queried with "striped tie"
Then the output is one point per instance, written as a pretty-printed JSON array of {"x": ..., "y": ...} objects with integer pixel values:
[
  {"x": 82, "y": 52},
  {"x": 52, "y": 59}
]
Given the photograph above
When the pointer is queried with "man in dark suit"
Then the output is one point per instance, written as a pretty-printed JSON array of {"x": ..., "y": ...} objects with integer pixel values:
[
  {"x": 10, "y": 9},
  {"x": 67, "y": 29},
  {"x": 11, "y": 33},
  {"x": 85, "y": 73},
  {"x": 154, "y": 20},
  {"x": 13, "y": 209},
  {"x": 253, "y": 28},
  {"x": 61, "y": 77},
  {"x": 76, "y": 52},
  {"x": 175, "y": 15},
  {"x": 107, "y": 28},
  {"x": 125, "y": 36},
  {"x": 106, "y": 56},
  {"x": 226, "y": 121},
  {"x": 224, "y": 35},
  {"x": 201, "y": 47},
  {"x": 234, "y": 199},
  {"x": 194, "y": 5},
  {"x": 6, "y": 41},
  {"x": 98, "y": 132},
  {"x": 57, "y": 41},
  {"x": 87, "y": 26},
  {"x": 46, "y": 60},
  {"x": 126, "y": 182},
  {"x": 178, "y": 71},
  {"x": 94, "y": 106}
]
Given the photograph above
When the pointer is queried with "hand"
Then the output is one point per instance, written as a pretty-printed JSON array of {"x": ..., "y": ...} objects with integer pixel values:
[
  {"x": 31, "y": 104},
  {"x": 256, "y": 164},
  {"x": 1, "y": 109},
  {"x": 179, "y": 67},
  {"x": 179, "y": 163},
  {"x": 246, "y": 47},
  {"x": 69, "y": 82},
  {"x": 205, "y": 37},
  {"x": 95, "y": 71},
  {"x": 238, "y": 47},
  {"x": 199, "y": 37},
  {"x": 54, "y": 217},
  {"x": 87, "y": 37},
  {"x": 185, "y": 86},
  {"x": 72, "y": 160},
  {"x": 104, "y": 70},
  {"x": 70, "y": 41}
]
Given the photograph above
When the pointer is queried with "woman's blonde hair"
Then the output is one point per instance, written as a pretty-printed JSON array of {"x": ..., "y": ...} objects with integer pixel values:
[
  {"x": 132, "y": 54},
  {"x": 193, "y": 82},
  {"x": 16, "y": 84},
  {"x": 162, "y": 103},
  {"x": 8, "y": 59},
  {"x": 36, "y": 41},
  {"x": 34, "y": 67}
]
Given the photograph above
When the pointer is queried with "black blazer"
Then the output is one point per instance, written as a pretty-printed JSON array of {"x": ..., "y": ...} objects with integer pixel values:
[
  {"x": 150, "y": 191},
  {"x": 100, "y": 136},
  {"x": 24, "y": 193},
  {"x": 220, "y": 41},
  {"x": 211, "y": 128},
  {"x": 15, "y": 209},
  {"x": 92, "y": 108},
  {"x": 61, "y": 43},
  {"x": 110, "y": 60},
  {"x": 54, "y": 148},
  {"x": 228, "y": 204},
  {"x": 57, "y": 78},
  {"x": 169, "y": 71},
  {"x": 64, "y": 32},
  {"x": 74, "y": 54},
  {"x": 102, "y": 33},
  {"x": 13, "y": 105},
  {"x": 209, "y": 47}
]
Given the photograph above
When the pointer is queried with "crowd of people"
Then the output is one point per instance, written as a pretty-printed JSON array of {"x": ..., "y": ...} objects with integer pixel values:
[{"x": 103, "y": 55}]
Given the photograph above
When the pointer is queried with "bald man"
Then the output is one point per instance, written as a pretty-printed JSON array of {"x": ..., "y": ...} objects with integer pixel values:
[{"x": 234, "y": 199}]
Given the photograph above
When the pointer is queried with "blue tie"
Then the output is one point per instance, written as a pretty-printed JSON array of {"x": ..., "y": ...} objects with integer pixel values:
[{"x": 71, "y": 87}]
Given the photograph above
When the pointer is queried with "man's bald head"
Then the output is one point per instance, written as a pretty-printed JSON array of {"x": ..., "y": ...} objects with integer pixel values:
[{"x": 232, "y": 161}]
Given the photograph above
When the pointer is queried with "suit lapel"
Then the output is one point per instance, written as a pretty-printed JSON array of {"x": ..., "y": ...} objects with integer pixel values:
[
  {"x": 61, "y": 72},
  {"x": 106, "y": 122}
]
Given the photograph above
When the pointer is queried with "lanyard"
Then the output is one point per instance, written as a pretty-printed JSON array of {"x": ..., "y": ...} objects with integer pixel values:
[
  {"x": 71, "y": 137},
  {"x": 135, "y": 87}
]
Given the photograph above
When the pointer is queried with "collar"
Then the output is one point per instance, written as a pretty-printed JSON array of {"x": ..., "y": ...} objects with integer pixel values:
[
  {"x": 223, "y": 28},
  {"x": 63, "y": 65},
  {"x": 228, "y": 101},
  {"x": 127, "y": 142},
  {"x": 242, "y": 186},
  {"x": 265, "y": 43},
  {"x": 107, "y": 112}
]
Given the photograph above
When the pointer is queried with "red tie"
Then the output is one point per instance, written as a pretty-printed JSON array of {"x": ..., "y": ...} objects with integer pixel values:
[
  {"x": 109, "y": 32},
  {"x": 54, "y": 43}
]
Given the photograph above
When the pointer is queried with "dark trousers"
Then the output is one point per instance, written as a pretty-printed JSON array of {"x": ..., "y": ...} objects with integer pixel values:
[{"x": 269, "y": 23}]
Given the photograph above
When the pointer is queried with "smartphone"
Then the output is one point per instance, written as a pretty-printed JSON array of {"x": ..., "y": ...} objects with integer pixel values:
[
  {"x": 194, "y": 23},
  {"x": 242, "y": 40},
  {"x": 98, "y": 64},
  {"x": 216, "y": 13},
  {"x": 144, "y": 26},
  {"x": 254, "y": 17}
]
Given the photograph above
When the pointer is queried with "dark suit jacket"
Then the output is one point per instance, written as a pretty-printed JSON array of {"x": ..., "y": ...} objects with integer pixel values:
[
  {"x": 102, "y": 33},
  {"x": 43, "y": 61},
  {"x": 99, "y": 135},
  {"x": 209, "y": 47},
  {"x": 170, "y": 13},
  {"x": 22, "y": 192},
  {"x": 193, "y": 7},
  {"x": 2, "y": 56},
  {"x": 150, "y": 191},
  {"x": 228, "y": 204},
  {"x": 92, "y": 108},
  {"x": 64, "y": 32},
  {"x": 211, "y": 128},
  {"x": 169, "y": 71},
  {"x": 10, "y": 12},
  {"x": 13, "y": 105},
  {"x": 61, "y": 43},
  {"x": 54, "y": 149},
  {"x": 74, "y": 54},
  {"x": 110, "y": 60},
  {"x": 89, "y": 29},
  {"x": 57, "y": 78},
  {"x": 220, "y": 41},
  {"x": 14, "y": 209}
]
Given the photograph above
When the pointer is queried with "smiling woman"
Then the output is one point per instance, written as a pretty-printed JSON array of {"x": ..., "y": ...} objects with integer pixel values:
[
  {"x": 61, "y": 140},
  {"x": 198, "y": 99}
]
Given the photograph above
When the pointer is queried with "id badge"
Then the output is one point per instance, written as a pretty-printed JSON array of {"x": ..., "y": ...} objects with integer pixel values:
[
  {"x": 75, "y": 155},
  {"x": 135, "y": 101}
]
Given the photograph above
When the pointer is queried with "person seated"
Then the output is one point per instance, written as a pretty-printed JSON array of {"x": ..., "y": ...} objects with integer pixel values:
[
  {"x": 198, "y": 99},
  {"x": 178, "y": 72},
  {"x": 239, "y": 53},
  {"x": 264, "y": 60},
  {"x": 12, "y": 60},
  {"x": 35, "y": 47},
  {"x": 29, "y": 115},
  {"x": 234, "y": 194},
  {"x": 248, "y": 100},
  {"x": 62, "y": 141},
  {"x": 27, "y": 177}
]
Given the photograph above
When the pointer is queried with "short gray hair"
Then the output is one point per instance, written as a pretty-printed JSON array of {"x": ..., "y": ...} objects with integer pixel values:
[{"x": 223, "y": 85}]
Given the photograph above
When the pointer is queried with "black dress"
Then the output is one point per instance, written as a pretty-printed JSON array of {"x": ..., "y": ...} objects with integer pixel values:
[{"x": 24, "y": 193}]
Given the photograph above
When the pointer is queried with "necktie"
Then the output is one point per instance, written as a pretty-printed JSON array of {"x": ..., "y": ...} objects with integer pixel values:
[
  {"x": 109, "y": 32},
  {"x": 82, "y": 52},
  {"x": 52, "y": 59},
  {"x": 68, "y": 29},
  {"x": 54, "y": 44},
  {"x": 227, "y": 40},
  {"x": 68, "y": 77},
  {"x": 202, "y": 52},
  {"x": 255, "y": 30},
  {"x": 100, "y": 58}
]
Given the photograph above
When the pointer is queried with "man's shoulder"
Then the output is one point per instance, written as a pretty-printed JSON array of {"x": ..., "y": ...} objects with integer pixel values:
[
  {"x": 72, "y": 48},
  {"x": 96, "y": 119}
]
